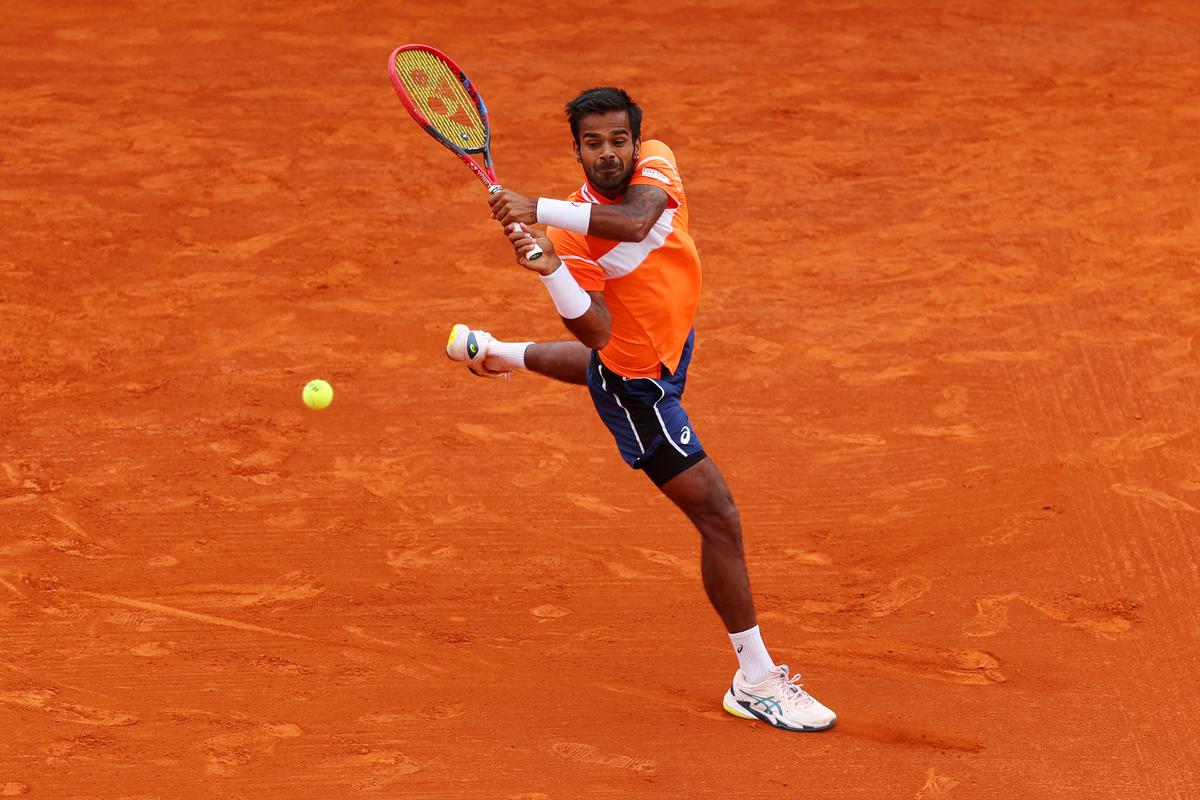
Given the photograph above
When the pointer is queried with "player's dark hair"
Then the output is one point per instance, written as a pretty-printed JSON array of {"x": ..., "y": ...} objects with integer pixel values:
[{"x": 602, "y": 100}]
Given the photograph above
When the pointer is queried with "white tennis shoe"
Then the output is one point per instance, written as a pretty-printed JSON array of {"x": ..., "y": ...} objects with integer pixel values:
[
  {"x": 471, "y": 347},
  {"x": 780, "y": 700}
]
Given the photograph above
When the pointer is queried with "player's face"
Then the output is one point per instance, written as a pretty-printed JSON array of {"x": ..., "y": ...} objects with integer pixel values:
[{"x": 607, "y": 150}]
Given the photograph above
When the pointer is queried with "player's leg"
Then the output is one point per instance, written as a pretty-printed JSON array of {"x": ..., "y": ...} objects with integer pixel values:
[
  {"x": 760, "y": 689},
  {"x": 654, "y": 434},
  {"x": 562, "y": 361},
  {"x": 487, "y": 356},
  {"x": 701, "y": 493}
]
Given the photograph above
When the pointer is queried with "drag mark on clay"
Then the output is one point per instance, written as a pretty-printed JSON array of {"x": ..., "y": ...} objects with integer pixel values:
[
  {"x": 879, "y": 730},
  {"x": 588, "y": 754},
  {"x": 903, "y": 491},
  {"x": 665, "y": 698},
  {"x": 865, "y": 378},
  {"x": 421, "y": 557},
  {"x": 178, "y": 613},
  {"x": 378, "y": 768},
  {"x": 1102, "y": 620},
  {"x": 40, "y": 697},
  {"x": 898, "y": 594},
  {"x": 995, "y": 356},
  {"x": 1022, "y": 525},
  {"x": 1125, "y": 448},
  {"x": 1160, "y": 499},
  {"x": 971, "y": 667},
  {"x": 831, "y": 437},
  {"x": 1173, "y": 378},
  {"x": 230, "y": 750},
  {"x": 888, "y": 600},
  {"x": 428, "y": 713},
  {"x": 961, "y": 432},
  {"x": 35, "y": 674},
  {"x": 14, "y": 477},
  {"x": 69, "y": 524},
  {"x": 288, "y": 588},
  {"x": 359, "y": 632},
  {"x": 547, "y": 612},
  {"x": 686, "y": 569},
  {"x": 595, "y": 505}
]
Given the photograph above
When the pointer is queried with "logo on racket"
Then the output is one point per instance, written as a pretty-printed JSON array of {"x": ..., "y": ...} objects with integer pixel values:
[{"x": 440, "y": 98}]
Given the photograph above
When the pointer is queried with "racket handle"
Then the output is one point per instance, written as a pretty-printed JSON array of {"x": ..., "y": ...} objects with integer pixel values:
[{"x": 535, "y": 252}]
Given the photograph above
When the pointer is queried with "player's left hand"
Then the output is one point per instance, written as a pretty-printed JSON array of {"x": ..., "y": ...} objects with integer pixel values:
[
  {"x": 523, "y": 240},
  {"x": 509, "y": 207}
]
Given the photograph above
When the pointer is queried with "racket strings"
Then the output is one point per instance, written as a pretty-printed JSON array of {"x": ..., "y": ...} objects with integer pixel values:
[{"x": 441, "y": 98}]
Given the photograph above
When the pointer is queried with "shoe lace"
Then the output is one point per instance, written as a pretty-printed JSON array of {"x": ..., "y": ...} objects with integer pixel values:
[{"x": 791, "y": 690}]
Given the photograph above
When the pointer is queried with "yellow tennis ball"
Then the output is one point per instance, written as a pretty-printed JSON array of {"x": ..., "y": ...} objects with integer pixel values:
[{"x": 317, "y": 394}]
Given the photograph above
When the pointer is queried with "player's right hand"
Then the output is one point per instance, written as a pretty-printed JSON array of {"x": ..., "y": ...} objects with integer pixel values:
[
  {"x": 508, "y": 207},
  {"x": 523, "y": 238}
]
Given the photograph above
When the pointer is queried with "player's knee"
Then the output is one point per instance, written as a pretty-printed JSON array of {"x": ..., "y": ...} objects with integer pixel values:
[{"x": 722, "y": 522}]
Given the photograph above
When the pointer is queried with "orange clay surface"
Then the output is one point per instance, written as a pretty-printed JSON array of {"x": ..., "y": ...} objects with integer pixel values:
[{"x": 946, "y": 357}]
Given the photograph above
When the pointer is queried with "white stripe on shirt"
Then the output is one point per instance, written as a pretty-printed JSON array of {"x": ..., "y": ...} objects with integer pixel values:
[
  {"x": 648, "y": 159},
  {"x": 628, "y": 256}
]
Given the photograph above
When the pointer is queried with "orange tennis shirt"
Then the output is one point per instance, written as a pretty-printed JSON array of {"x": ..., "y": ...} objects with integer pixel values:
[{"x": 651, "y": 287}]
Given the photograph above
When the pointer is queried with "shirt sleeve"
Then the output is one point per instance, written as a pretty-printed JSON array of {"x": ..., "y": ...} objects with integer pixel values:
[
  {"x": 656, "y": 167},
  {"x": 573, "y": 250}
]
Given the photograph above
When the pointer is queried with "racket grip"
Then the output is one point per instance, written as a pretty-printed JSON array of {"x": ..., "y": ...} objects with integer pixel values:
[{"x": 535, "y": 252}]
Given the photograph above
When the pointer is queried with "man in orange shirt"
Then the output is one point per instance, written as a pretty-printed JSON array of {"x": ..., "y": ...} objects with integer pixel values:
[{"x": 628, "y": 293}]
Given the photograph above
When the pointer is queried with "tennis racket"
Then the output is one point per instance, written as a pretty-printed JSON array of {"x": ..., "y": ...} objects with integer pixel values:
[{"x": 443, "y": 101}]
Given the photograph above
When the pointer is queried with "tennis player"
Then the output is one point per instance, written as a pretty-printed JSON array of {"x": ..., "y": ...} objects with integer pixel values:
[{"x": 624, "y": 275}]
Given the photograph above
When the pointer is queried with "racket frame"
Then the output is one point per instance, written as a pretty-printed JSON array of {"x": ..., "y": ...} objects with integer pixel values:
[{"x": 486, "y": 173}]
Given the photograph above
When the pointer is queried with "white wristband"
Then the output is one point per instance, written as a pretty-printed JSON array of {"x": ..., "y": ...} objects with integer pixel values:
[
  {"x": 571, "y": 301},
  {"x": 575, "y": 217}
]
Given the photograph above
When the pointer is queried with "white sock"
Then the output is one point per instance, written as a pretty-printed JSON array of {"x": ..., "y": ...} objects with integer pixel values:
[
  {"x": 752, "y": 655},
  {"x": 503, "y": 356}
]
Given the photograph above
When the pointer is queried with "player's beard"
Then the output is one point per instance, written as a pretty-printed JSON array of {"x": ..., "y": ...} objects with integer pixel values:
[{"x": 610, "y": 181}]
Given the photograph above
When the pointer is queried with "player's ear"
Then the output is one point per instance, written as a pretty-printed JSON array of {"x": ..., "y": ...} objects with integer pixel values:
[
  {"x": 578, "y": 157},
  {"x": 637, "y": 148}
]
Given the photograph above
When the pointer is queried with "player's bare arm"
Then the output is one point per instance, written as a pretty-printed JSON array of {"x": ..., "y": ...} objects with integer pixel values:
[
  {"x": 631, "y": 220},
  {"x": 585, "y": 314}
]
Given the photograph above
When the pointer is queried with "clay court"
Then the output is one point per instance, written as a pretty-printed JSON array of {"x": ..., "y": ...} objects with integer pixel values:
[{"x": 946, "y": 356}]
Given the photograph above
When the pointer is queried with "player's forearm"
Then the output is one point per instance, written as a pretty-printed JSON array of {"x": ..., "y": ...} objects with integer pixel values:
[
  {"x": 593, "y": 329},
  {"x": 584, "y": 313},
  {"x": 630, "y": 220},
  {"x": 619, "y": 223}
]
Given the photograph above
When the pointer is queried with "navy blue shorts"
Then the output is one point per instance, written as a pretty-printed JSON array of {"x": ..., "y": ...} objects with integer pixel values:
[{"x": 646, "y": 417}]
